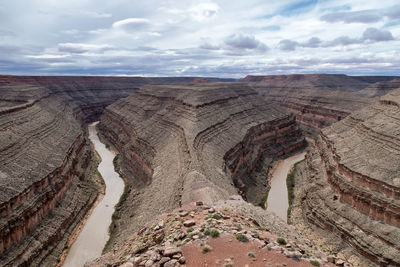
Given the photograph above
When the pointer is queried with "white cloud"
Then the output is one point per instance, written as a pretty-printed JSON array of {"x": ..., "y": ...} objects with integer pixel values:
[
  {"x": 132, "y": 24},
  {"x": 79, "y": 48},
  {"x": 204, "y": 11}
]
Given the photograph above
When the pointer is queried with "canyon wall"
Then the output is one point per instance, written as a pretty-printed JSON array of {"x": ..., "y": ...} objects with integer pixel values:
[
  {"x": 183, "y": 143},
  {"x": 318, "y": 100},
  {"x": 353, "y": 180}
]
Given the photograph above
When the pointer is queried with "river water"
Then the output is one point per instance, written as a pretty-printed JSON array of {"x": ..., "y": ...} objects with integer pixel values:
[
  {"x": 278, "y": 195},
  {"x": 94, "y": 235}
]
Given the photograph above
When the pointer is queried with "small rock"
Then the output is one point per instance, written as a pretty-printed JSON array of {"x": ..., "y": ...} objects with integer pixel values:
[
  {"x": 127, "y": 264},
  {"x": 183, "y": 213},
  {"x": 211, "y": 210},
  {"x": 170, "y": 251},
  {"x": 339, "y": 262},
  {"x": 189, "y": 223},
  {"x": 164, "y": 260},
  {"x": 199, "y": 203},
  {"x": 149, "y": 263},
  {"x": 171, "y": 263},
  {"x": 182, "y": 260}
]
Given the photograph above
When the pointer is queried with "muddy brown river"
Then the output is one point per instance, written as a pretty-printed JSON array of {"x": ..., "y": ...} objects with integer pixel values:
[
  {"x": 278, "y": 195},
  {"x": 94, "y": 235}
]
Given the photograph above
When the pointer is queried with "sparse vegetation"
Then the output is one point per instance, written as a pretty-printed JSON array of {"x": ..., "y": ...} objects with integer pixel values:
[
  {"x": 263, "y": 200},
  {"x": 281, "y": 241},
  {"x": 251, "y": 254},
  {"x": 315, "y": 262},
  {"x": 214, "y": 233},
  {"x": 242, "y": 238},
  {"x": 207, "y": 231},
  {"x": 216, "y": 216},
  {"x": 206, "y": 248}
]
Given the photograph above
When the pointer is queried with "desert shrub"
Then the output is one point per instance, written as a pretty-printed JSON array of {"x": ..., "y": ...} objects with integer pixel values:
[
  {"x": 281, "y": 241},
  {"x": 242, "y": 238},
  {"x": 214, "y": 233},
  {"x": 206, "y": 249},
  {"x": 315, "y": 262}
]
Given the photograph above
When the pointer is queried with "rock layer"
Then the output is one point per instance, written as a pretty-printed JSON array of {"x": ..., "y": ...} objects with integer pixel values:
[
  {"x": 353, "y": 179},
  {"x": 191, "y": 142},
  {"x": 318, "y": 100}
]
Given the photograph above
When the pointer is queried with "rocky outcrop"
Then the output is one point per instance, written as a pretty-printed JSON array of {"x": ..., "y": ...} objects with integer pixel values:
[
  {"x": 202, "y": 141},
  {"x": 318, "y": 100},
  {"x": 353, "y": 184},
  {"x": 232, "y": 232}
]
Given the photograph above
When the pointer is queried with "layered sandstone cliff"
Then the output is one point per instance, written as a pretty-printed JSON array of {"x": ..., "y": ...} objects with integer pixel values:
[
  {"x": 191, "y": 142},
  {"x": 318, "y": 100},
  {"x": 352, "y": 179}
]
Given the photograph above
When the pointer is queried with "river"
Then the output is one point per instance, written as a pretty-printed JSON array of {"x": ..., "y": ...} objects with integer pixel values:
[
  {"x": 94, "y": 235},
  {"x": 278, "y": 195}
]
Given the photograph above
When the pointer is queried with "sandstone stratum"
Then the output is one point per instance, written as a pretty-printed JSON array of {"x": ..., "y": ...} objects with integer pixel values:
[
  {"x": 196, "y": 155},
  {"x": 318, "y": 100},
  {"x": 349, "y": 184}
]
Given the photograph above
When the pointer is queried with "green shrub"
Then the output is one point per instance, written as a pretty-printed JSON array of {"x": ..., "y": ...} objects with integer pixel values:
[
  {"x": 251, "y": 254},
  {"x": 206, "y": 249},
  {"x": 207, "y": 231},
  {"x": 214, "y": 233},
  {"x": 315, "y": 262},
  {"x": 242, "y": 238},
  {"x": 281, "y": 241},
  {"x": 190, "y": 229}
]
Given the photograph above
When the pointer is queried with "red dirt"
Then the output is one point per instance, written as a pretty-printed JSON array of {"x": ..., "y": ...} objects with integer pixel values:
[{"x": 227, "y": 246}]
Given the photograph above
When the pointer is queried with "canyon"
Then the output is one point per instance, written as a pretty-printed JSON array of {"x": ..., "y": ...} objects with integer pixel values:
[{"x": 182, "y": 141}]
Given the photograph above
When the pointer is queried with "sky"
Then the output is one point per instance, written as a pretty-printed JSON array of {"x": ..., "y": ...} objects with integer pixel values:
[{"x": 217, "y": 38}]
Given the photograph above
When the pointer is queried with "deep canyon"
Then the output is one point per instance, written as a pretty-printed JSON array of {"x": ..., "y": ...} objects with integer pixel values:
[{"x": 183, "y": 140}]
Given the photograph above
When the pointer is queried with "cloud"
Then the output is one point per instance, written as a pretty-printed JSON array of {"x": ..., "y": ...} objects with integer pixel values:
[
  {"x": 393, "y": 12},
  {"x": 363, "y": 16},
  {"x": 204, "y": 11},
  {"x": 209, "y": 46},
  {"x": 375, "y": 35},
  {"x": 131, "y": 24},
  {"x": 239, "y": 41},
  {"x": 80, "y": 48},
  {"x": 343, "y": 41},
  {"x": 287, "y": 45},
  {"x": 313, "y": 42}
]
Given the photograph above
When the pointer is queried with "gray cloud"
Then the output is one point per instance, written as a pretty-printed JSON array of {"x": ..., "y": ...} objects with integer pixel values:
[
  {"x": 370, "y": 35},
  {"x": 239, "y": 41},
  {"x": 209, "y": 46},
  {"x": 287, "y": 45},
  {"x": 375, "y": 35},
  {"x": 363, "y": 16},
  {"x": 312, "y": 42}
]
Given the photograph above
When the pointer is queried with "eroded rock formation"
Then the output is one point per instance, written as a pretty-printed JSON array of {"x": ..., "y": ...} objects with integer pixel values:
[
  {"x": 353, "y": 180},
  {"x": 203, "y": 141},
  {"x": 318, "y": 100},
  {"x": 48, "y": 178}
]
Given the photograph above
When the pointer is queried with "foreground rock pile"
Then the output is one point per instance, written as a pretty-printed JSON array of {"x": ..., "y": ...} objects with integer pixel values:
[
  {"x": 223, "y": 235},
  {"x": 351, "y": 183},
  {"x": 190, "y": 142}
]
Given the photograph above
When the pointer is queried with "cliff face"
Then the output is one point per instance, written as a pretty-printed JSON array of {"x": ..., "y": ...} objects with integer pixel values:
[
  {"x": 353, "y": 184},
  {"x": 46, "y": 175},
  {"x": 191, "y": 142},
  {"x": 318, "y": 100}
]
